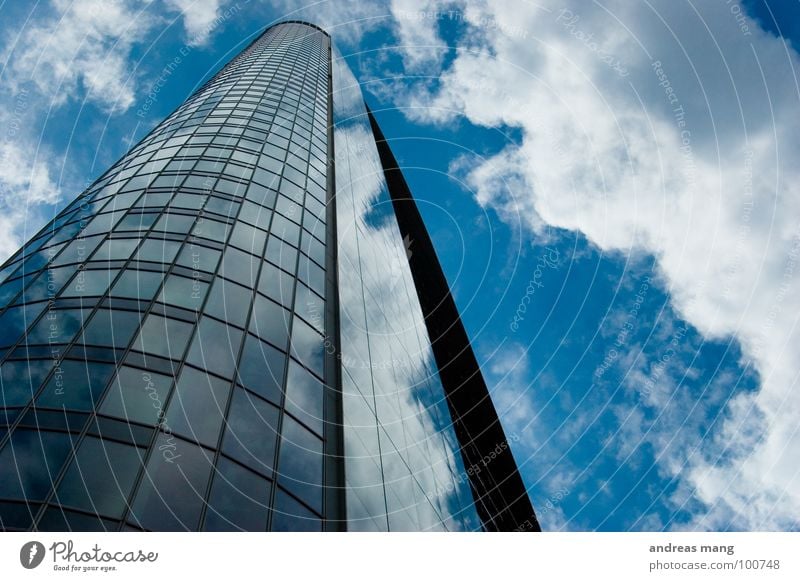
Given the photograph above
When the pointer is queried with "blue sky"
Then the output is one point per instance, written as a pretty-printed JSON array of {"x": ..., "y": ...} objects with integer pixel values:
[{"x": 610, "y": 186}]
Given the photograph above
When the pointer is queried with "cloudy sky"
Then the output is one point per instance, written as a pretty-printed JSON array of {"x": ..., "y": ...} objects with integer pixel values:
[{"x": 612, "y": 187}]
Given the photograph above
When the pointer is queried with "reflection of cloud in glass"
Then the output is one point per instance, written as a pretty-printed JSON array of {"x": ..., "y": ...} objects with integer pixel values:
[{"x": 402, "y": 455}]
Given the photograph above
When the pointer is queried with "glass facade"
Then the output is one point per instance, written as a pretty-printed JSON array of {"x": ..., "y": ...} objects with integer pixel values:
[
  {"x": 403, "y": 467},
  {"x": 222, "y": 332}
]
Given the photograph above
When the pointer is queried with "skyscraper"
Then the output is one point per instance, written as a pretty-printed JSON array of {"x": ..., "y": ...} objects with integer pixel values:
[{"x": 243, "y": 325}]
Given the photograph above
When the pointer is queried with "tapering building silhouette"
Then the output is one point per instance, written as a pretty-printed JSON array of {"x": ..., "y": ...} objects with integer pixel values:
[{"x": 243, "y": 325}]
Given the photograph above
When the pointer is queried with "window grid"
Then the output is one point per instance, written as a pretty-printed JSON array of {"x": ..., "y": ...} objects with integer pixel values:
[{"x": 150, "y": 188}]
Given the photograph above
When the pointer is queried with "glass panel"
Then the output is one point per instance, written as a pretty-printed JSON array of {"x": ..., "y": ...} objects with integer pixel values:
[
  {"x": 15, "y": 320},
  {"x": 313, "y": 247},
  {"x": 199, "y": 257},
  {"x": 311, "y": 307},
  {"x": 304, "y": 397},
  {"x": 46, "y": 286},
  {"x": 78, "y": 249},
  {"x": 276, "y": 284},
  {"x": 137, "y": 284},
  {"x": 257, "y": 215},
  {"x": 240, "y": 267},
  {"x": 230, "y": 187},
  {"x": 215, "y": 347},
  {"x": 281, "y": 254},
  {"x": 285, "y": 229},
  {"x": 89, "y": 283},
  {"x": 116, "y": 249},
  {"x": 261, "y": 369},
  {"x": 210, "y": 166},
  {"x": 155, "y": 200},
  {"x": 262, "y": 197},
  {"x": 220, "y": 206},
  {"x": 75, "y": 385},
  {"x": 308, "y": 346},
  {"x": 413, "y": 433},
  {"x": 271, "y": 164},
  {"x": 9, "y": 291},
  {"x": 183, "y": 292},
  {"x": 171, "y": 494},
  {"x": 101, "y": 477},
  {"x": 239, "y": 500},
  {"x": 199, "y": 182},
  {"x": 188, "y": 201},
  {"x": 135, "y": 222},
  {"x": 137, "y": 395},
  {"x": 21, "y": 379},
  {"x": 124, "y": 431},
  {"x": 229, "y": 301},
  {"x": 163, "y": 336},
  {"x": 102, "y": 224},
  {"x": 248, "y": 238},
  {"x": 312, "y": 275},
  {"x": 60, "y": 520},
  {"x": 29, "y": 462},
  {"x": 289, "y": 208},
  {"x": 197, "y": 407},
  {"x": 316, "y": 227},
  {"x": 155, "y": 250},
  {"x": 270, "y": 322},
  {"x": 56, "y": 326},
  {"x": 251, "y": 432},
  {"x": 111, "y": 328},
  {"x": 237, "y": 172},
  {"x": 175, "y": 223},
  {"x": 300, "y": 467},
  {"x": 291, "y": 516},
  {"x": 16, "y": 515}
]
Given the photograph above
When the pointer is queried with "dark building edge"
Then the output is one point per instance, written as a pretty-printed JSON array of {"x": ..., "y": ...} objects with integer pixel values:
[{"x": 500, "y": 495}]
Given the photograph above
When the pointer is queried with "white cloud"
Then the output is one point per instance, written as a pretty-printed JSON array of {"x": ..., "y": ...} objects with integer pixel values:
[
  {"x": 507, "y": 370},
  {"x": 82, "y": 51},
  {"x": 78, "y": 52},
  {"x": 537, "y": 439},
  {"x": 25, "y": 187},
  {"x": 200, "y": 17},
  {"x": 345, "y": 20},
  {"x": 416, "y": 25},
  {"x": 692, "y": 161},
  {"x": 75, "y": 52}
]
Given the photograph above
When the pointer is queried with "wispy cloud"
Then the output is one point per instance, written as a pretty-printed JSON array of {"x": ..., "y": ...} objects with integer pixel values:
[
  {"x": 81, "y": 51},
  {"x": 71, "y": 53},
  {"x": 26, "y": 189},
  {"x": 523, "y": 398},
  {"x": 688, "y": 156},
  {"x": 416, "y": 26},
  {"x": 200, "y": 17},
  {"x": 346, "y": 20}
]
